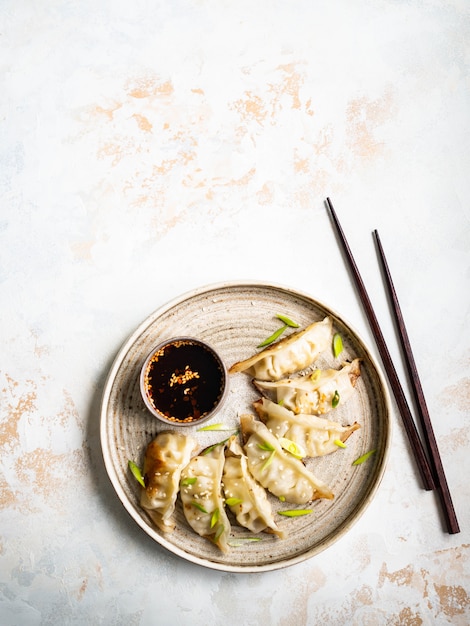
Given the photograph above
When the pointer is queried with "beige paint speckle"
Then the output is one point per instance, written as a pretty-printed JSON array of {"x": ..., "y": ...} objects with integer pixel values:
[
  {"x": 115, "y": 149},
  {"x": 243, "y": 180},
  {"x": 455, "y": 439},
  {"x": 323, "y": 142},
  {"x": 364, "y": 116},
  {"x": 308, "y": 107},
  {"x": 442, "y": 593},
  {"x": 290, "y": 84},
  {"x": 69, "y": 412},
  {"x": 82, "y": 250},
  {"x": 265, "y": 194},
  {"x": 107, "y": 112},
  {"x": 317, "y": 579},
  {"x": 7, "y": 495},
  {"x": 142, "y": 122},
  {"x": 17, "y": 403},
  {"x": 149, "y": 86},
  {"x": 458, "y": 395},
  {"x": 454, "y": 600},
  {"x": 39, "y": 471},
  {"x": 407, "y": 617},
  {"x": 364, "y": 595},
  {"x": 301, "y": 165},
  {"x": 251, "y": 107},
  {"x": 405, "y": 577},
  {"x": 50, "y": 476}
]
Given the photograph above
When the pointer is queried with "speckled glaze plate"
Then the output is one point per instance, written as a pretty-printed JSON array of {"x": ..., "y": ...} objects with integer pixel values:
[{"x": 234, "y": 318}]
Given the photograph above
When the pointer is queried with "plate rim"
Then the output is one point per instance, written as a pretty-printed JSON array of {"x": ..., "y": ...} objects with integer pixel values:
[{"x": 160, "y": 539}]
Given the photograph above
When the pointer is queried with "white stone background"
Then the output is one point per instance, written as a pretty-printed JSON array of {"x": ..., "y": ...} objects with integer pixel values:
[{"x": 149, "y": 148}]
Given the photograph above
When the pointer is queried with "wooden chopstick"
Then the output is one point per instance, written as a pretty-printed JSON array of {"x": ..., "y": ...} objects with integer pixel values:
[
  {"x": 408, "y": 422},
  {"x": 418, "y": 393}
]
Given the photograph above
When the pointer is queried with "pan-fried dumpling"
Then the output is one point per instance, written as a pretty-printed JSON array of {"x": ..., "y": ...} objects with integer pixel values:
[
  {"x": 314, "y": 435},
  {"x": 289, "y": 355},
  {"x": 165, "y": 457},
  {"x": 276, "y": 470},
  {"x": 245, "y": 497},
  {"x": 203, "y": 504},
  {"x": 313, "y": 393}
]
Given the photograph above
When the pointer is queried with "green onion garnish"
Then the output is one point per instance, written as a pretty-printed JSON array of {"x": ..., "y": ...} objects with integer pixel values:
[
  {"x": 272, "y": 338},
  {"x": 219, "y": 531},
  {"x": 337, "y": 345},
  {"x": 236, "y": 543},
  {"x": 295, "y": 512},
  {"x": 214, "y": 427},
  {"x": 265, "y": 446},
  {"x": 269, "y": 461},
  {"x": 188, "y": 481},
  {"x": 314, "y": 376},
  {"x": 335, "y": 399},
  {"x": 287, "y": 321},
  {"x": 233, "y": 501},
  {"x": 136, "y": 472},
  {"x": 364, "y": 457},
  {"x": 292, "y": 448},
  {"x": 220, "y": 443},
  {"x": 199, "y": 507},
  {"x": 215, "y": 517},
  {"x": 340, "y": 443}
]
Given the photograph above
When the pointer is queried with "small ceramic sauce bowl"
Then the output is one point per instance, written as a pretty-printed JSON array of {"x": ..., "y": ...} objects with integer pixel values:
[{"x": 183, "y": 381}]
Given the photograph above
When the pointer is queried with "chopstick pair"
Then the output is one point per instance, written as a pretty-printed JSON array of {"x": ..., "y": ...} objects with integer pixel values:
[{"x": 432, "y": 470}]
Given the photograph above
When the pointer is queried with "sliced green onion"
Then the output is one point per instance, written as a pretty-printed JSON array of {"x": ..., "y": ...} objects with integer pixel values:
[
  {"x": 282, "y": 498},
  {"x": 337, "y": 344},
  {"x": 136, "y": 472},
  {"x": 199, "y": 507},
  {"x": 335, "y": 399},
  {"x": 233, "y": 501},
  {"x": 292, "y": 447},
  {"x": 215, "y": 517},
  {"x": 269, "y": 461},
  {"x": 364, "y": 457},
  {"x": 287, "y": 321},
  {"x": 265, "y": 446},
  {"x": 188, "y": 481},
  {"x": 218, "y": 532},
  {"x": 220, "y": 443},
  {"x": 340, "y": 443},
  {"x": 295, "y": 512},
  {"x": 272, "y": 338},
  {"x": 236, "y": 543},
  {"x": 213, "y": 427},
  {"x": 314, "y": 376}
]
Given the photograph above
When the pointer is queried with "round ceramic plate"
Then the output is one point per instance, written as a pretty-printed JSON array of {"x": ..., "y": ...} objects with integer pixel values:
[{"x": 234, "y": 318}]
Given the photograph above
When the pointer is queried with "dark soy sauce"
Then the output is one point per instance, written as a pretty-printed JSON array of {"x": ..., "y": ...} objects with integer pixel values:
[{"x": 184, "y": 381}]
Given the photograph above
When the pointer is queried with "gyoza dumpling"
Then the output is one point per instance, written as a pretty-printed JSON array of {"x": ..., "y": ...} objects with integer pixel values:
[
  {"x": 289, "y": 355},
  {"x": 277, "y": 470},
  {"x": 203, "y": 504},
  {"x": 314, "y": 393},
  {"x": 314, "y": 435},
  {"x": 245, "y": 497},
  {"x": 164, "y": 459}
]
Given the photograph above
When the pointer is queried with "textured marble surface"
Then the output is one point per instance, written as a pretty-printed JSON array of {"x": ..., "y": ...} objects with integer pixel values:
[{"x": 149, "y": 148}]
